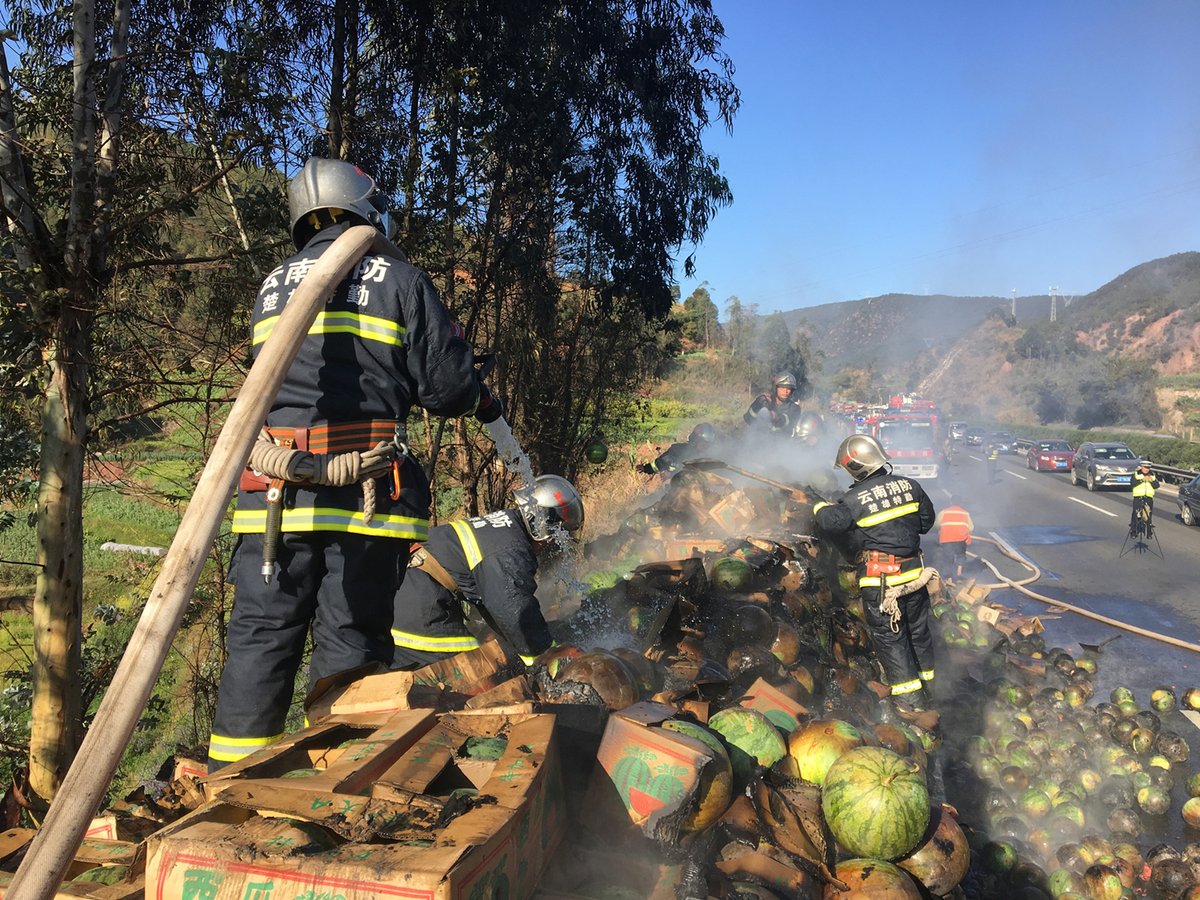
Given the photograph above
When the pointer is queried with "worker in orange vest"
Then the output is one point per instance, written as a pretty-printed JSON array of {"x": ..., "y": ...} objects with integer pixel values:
[{"x": 954, "y": 534}]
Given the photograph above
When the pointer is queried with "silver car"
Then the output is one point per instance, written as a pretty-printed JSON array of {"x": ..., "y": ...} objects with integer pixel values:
[{"x": 1104, "y": 465}]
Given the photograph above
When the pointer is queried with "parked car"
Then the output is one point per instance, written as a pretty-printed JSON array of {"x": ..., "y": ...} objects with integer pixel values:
[
  {"x": 957, "y": 430},
  {"x": 1049, "y": 456},
  {"x": 1002, "y": 441},
  {"x": 974, "y": 435},
  {"x": 1189, "y": 501},
  {"x": 1104, "y": 465}
]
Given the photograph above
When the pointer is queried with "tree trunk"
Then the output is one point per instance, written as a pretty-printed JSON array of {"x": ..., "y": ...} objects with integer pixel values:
[{"x": 55, "y": 729}]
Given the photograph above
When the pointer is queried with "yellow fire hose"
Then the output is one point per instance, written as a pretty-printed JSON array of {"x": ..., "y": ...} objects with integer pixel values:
[{"x": 1086, "y": 613}]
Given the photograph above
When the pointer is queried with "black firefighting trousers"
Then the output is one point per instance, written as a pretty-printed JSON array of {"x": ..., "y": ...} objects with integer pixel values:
[
  {"x": 342, "y": 585},
  {"x": 907, "y": 656}
]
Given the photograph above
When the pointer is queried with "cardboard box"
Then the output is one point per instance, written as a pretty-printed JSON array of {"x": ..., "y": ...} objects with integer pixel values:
[
  {"x": 471, "y": 672},
  {"x": 190, "y": 768},
  {"x": 649, "y": 774},
  {"x": 70, "y": 890},
  {"x": 350, "y": 752},
  {"x": 495, "y": 849},
  {"x": 777, "y": 706}
]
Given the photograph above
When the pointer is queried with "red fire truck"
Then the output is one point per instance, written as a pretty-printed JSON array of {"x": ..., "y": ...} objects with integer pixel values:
[{"x": 910, "y": 430}]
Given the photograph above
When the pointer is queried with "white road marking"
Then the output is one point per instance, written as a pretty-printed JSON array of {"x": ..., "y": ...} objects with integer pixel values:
[
  {"x": 977, "y": 458},
  {"x": 1015, "y": 475},
  {"x": 946, "y": 492},
  {"x": 1096, "y": 508}
]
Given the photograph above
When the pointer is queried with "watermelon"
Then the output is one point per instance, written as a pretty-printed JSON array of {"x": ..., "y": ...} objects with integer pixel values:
[
  {"x": 716, "y": 780},
  {"x": 730, "y": 574},
  {"x": 876, "y": 802},
  {"x": 596, "y": 452},
  {"x": 752, "y": 740},
  {"x": 818, "y": 744},
  {"x": 874, "y": 879},
  {"x": 942, "y": 858}
]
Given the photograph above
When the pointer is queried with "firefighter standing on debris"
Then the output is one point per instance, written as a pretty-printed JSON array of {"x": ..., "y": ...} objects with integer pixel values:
[
  {"x": 779, "y": 409},
  {"x": 490, "y": 562},
  {"x": 882, "y": 517},
  {"x": 671, "y": 460},
  {"x": 323, "y": 535},
  {"x": 954, "y": 527}
]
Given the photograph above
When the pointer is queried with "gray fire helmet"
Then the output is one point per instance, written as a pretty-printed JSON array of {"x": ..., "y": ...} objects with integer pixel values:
[
  {"x": 861, "y": 456},
  {"x": 330, "y": 184},
  {"x": 551, "y": 500}
]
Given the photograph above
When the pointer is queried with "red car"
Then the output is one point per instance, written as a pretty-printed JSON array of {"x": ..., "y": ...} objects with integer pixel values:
[{"x": 1050, "y": 456}]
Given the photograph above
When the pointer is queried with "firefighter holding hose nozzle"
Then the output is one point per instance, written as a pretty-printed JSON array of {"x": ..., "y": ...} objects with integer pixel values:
[
  {"x": 777, "y": 410},
  {"x": 881, "y": 518}
]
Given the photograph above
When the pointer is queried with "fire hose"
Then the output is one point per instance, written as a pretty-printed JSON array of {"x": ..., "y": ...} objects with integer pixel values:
[{"x": 1086, "y": 613}]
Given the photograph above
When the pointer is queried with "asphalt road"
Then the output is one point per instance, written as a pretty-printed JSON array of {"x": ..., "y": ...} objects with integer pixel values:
[{"x": 1076, "y": 538}]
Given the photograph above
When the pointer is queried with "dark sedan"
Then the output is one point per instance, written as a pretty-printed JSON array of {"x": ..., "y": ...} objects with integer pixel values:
[
  {"x": 1189, "y": 501},
  {"x": 974, "y": 435},
  {"x": 1049, "y": 456},
  {"x": 1003, "y": 441}
]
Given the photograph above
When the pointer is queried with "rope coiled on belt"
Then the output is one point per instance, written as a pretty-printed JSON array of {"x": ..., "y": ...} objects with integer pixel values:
[
  {"x": 890, "y": 605},
  {"x": 329, "y": 469}
]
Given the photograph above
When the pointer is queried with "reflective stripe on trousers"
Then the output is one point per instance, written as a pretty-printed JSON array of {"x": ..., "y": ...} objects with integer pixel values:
[
  {"x": 454, "y": 643},
  {"x": 231, "y": 749}
]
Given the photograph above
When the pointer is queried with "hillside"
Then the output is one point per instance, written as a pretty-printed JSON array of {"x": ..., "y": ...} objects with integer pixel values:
[{"x": 970, "y": 353}]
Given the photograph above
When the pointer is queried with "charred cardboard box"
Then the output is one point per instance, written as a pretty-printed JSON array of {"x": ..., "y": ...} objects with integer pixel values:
[
  {"x": 434, "y": 824},
  {"x": 97, "y": 890},
  {"x": 101, "y": 868},
  {"x": 468, "y": 673},
  {"x": 777, "y": 706},
  {"x": 646, "y": 775}
]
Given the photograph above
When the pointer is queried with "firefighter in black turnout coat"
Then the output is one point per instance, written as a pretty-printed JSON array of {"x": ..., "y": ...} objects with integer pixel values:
[
  {"x": 881, "y": 519},
  {"x": 490, "y": 562},
  {"x": 322, "y": 541}
]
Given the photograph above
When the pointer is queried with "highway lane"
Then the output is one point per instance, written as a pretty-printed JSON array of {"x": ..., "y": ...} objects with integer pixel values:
[{"x": 1076, "y": 537}]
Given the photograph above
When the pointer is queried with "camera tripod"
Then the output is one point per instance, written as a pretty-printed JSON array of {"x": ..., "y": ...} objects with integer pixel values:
[{"x": 1141, "y": 531}]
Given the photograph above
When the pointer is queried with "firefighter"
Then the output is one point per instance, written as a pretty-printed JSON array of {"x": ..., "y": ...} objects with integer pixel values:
[
  {"x": 490, "y": 562},
  {"x": 671, "y": 460},
  {"x": 954, "y": 527},
  {"x": 323, "y": 537},
  {"x": 881, "y": 519},
  {"x": 1145, "y": 483},
  {"x": 779, "y": 409},
  {"x": 993, "y": 460}
]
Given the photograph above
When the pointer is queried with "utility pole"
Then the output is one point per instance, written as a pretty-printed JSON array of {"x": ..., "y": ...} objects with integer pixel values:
[
  {"x": 1053, "y": 304},
  {"x": 1014, "y": 304}
]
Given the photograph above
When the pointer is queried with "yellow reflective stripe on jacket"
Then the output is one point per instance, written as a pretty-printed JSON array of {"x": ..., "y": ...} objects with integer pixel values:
[
  {"x": 252, "y": 521},
  {"x": 926, "y": 675},
  {"x": 817, "y": 507},
  {"x": 892, "y": 580},
  {"x": 466, "y": 537},
  {"x": 455, "y": 643},
  {"x": 369, "y": 328},
  {"x": 886, "y": 515},
  {"x": 906, "y": 687},
  {"x": 231, "y": 749}
]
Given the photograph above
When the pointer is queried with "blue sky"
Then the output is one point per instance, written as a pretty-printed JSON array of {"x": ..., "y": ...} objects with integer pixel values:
[{"x": 953, "y": 147}]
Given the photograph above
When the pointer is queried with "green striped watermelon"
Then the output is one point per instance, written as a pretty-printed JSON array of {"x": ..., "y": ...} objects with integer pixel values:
[
  {"x": 752, "y": 739},
  {"x": 876, "y": 802},
  {"x": 817, "y": 745}
]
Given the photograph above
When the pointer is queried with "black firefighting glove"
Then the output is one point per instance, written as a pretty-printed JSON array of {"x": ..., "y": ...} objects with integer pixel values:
[
  {"x": 646, "y": 469},
  {"x": 490, "y": 406}
]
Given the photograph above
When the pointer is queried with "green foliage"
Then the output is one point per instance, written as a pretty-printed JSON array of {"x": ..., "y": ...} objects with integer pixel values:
[
  {"x": 1189, "y": 381},
  {"x": 697, "y": 318}
]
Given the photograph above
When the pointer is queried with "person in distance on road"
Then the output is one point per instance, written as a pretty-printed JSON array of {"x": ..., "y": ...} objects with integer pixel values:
[
  {"x": 1145, "y": 483},
  {"x": 954, "y": 534},
  {"x": 992, "y": 452},
  {"x": 882, "y": 516}
]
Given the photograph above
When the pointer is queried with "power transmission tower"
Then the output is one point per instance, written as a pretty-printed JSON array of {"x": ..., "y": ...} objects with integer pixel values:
[{"x": 1014, "y": 304}]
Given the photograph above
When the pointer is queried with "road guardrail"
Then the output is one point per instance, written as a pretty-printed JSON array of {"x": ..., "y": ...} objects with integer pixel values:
[{"x": 1166, "y": 474}]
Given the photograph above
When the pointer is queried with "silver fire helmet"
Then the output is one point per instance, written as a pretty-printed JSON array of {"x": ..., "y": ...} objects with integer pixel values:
[
  {"x": 861, "y": 456},
  {"x": 334, "y": 184},
  {"x": 551, "y": 500}
]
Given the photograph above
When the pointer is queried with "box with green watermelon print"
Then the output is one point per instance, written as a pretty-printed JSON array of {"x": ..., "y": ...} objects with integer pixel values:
[{"x": 650, "y": 774}]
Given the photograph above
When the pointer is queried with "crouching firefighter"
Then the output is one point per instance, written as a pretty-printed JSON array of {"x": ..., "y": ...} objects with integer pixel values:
[
  {"x": 332, "y": 499},
  {"x": 882, "y": 518},
  {"x": 491, "y": 563}
]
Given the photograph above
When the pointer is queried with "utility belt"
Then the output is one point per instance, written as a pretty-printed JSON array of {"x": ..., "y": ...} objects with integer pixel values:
[
  {"x": 343, "y": 437},
  {"x": 887, "y": 568}
]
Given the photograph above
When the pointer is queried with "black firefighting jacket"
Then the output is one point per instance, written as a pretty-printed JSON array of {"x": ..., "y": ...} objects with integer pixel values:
[
  {"x": 784, "y": 415},
  {"x": 383, "y": 343},
  {"x": 492, "y": 560},
  {"x": 883, "y": 512}
]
